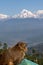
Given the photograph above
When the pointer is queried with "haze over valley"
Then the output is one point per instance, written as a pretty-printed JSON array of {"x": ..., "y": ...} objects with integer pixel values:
[{"x": 29, "y": 30}]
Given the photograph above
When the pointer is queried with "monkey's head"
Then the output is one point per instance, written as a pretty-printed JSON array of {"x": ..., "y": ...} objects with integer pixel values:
[{"x": 22, "y": 46}]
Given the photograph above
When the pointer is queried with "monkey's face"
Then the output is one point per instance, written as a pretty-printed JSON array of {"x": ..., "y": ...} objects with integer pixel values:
[{"x": 23, "y": 46}]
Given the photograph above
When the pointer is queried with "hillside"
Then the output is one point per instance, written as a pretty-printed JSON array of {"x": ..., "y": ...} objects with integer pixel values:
[{"x": 37, "y": 48}]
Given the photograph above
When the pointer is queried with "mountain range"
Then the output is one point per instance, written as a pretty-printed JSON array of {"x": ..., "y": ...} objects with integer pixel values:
[{"x": 24, "y": 14}]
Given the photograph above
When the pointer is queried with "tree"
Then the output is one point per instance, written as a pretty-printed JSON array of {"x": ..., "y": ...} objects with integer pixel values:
[
  {"x": 5, "y": 46},
  {"x": 0, "y": 43},
  {"x": 0, "y": 46},
  {"x": 33, "y": 50}
]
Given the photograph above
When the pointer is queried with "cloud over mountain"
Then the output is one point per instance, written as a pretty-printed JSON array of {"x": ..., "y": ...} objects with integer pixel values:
[
  {"x": 24, "y": 14},
  {"x": 28, "y": 14}
]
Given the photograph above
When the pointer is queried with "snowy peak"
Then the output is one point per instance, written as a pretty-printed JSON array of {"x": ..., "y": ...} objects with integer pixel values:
[
  {"x": 24, "y": 11},
  {"x": 25, "y": 14},
  {"x": 28, "y": 14}
]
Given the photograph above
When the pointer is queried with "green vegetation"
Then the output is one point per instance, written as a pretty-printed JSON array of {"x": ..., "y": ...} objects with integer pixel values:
[
  {"x": 3, "y": 46},
  {"x": 35, "y": 57}
]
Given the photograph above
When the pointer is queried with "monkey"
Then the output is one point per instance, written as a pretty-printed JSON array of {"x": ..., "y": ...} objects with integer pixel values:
[{"x": 15, "y": 54}]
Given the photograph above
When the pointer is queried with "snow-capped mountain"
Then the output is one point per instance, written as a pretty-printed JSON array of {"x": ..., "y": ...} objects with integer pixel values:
[
  {"x": 28, "y": 14},
  {"x": 24, "y": 14}
]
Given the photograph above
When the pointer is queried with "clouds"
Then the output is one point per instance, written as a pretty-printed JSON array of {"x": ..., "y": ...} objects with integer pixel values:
[
  {"x": 3, "y": 16},
  {"x": 24, "y": 14},
  {"x": 39, "y": 14}
]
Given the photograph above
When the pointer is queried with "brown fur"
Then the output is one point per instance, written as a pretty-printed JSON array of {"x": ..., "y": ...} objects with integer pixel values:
[{"x": 14, "y": 55}]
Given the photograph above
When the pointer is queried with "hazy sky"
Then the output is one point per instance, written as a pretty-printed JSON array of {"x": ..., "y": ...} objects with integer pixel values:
[{"x": 11, "y": 7}]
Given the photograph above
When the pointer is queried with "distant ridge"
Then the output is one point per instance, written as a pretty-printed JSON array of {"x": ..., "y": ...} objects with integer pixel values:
[{"x": 38, "y": 47}]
